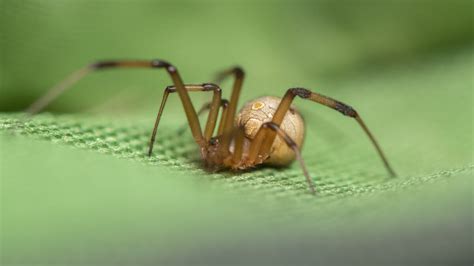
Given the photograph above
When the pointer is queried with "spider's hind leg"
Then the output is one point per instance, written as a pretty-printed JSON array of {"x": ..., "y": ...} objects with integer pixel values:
[
  {"x": 329, "y": 102},
  {"x": 258, "y": 155}
]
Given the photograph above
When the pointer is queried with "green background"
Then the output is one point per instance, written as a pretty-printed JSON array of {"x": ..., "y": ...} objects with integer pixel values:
[{"x": 77, "y": 188}]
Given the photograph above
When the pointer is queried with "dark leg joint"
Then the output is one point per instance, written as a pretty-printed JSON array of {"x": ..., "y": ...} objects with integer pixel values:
[
  {"x": 104, "y": 64},
  {"x": 301, "y": 92},
  {"x": 170, "y": 89},
  {"x": 157, "y": 63},
  {"x": 239, "y": 72},
  {"x": 345, "y": 109},
  {"x": 211, "y": 87},
  {"x": 224, "y": 103},
  {"x": 285, "y": 137}
]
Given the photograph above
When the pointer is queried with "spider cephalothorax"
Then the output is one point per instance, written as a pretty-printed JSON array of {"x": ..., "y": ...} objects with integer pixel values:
[{"x": 267, "y": 130}]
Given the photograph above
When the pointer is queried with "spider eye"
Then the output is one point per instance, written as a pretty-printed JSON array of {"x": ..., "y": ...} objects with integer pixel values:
[{"x": 214, "y": 141}]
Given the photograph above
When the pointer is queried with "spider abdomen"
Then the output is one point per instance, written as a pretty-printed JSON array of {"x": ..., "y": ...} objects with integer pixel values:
[{"x": 259, "y": 111}]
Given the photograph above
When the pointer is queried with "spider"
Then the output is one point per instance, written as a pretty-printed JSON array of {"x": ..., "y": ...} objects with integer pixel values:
[{"x": 267, "y": 130}]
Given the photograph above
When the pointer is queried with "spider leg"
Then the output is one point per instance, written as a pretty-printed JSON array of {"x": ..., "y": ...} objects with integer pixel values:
[
  {"x": 228, "y": 122},
  {"x": 291, "y": 143},
  {"x": 238, "y": 145},
  {"x": 61, "y": 87},
  {"x": 225, "y": 105},
  {"x": 214, "y": 110},
  {"x": 257, "y": 155},
  {"x": 203, "y": 109},
  {"x": 213, "y": 105},
  {"x": 200, "y": 112},
  {"x": 343, "y": 108}
]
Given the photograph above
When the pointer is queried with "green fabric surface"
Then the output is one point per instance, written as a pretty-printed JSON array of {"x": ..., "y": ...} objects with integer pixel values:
[{"x": 78, "y": 189}]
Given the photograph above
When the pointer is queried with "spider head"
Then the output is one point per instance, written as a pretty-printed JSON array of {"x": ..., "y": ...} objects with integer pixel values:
[{"x": 214, "y": 141}]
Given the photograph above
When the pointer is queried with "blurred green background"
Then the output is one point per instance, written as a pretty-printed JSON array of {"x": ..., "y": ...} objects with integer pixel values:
[{"x": 77, "y": 188}]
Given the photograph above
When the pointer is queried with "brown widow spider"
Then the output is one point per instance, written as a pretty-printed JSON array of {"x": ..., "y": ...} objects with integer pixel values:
[{"x": 267, "y": 130}]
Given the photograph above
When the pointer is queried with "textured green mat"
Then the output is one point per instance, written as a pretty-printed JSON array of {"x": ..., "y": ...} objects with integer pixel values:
[
  {"x": 70, "y": 207},
  {"x": 335, "y": 176},
  {"x": 77, "y": 188}
]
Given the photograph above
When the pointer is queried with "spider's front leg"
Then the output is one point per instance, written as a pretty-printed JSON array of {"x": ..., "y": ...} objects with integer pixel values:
[
  {"x": 61, "y": 87},
  {"x": 213, "y": 113},
  {"x": 205, "y": 107}
]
